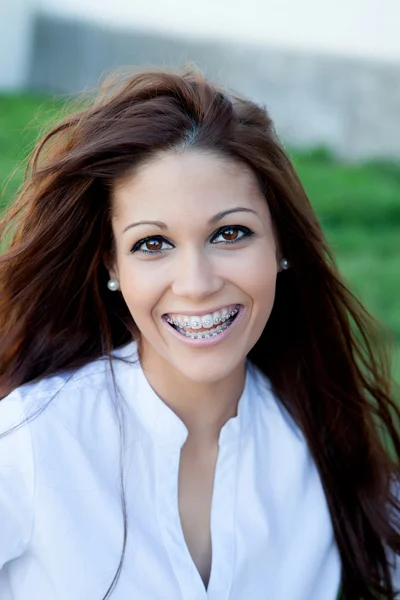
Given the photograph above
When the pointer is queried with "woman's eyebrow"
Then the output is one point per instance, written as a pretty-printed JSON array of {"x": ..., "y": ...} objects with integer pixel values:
[
  {"x": 213, "y": 219},
  {"x": 223, "y": 214},
  {"x": 159, "y": 224}
]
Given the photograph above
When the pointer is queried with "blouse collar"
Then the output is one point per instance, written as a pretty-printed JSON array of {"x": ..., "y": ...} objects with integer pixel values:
[{"x": 157, "y": 418}]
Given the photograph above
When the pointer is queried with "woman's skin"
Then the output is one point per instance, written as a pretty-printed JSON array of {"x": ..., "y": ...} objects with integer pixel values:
[{"x": 195, "y": 273}]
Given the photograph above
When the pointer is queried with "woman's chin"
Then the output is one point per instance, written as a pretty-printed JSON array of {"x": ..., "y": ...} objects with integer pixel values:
[{"x": 209, "y": 370}]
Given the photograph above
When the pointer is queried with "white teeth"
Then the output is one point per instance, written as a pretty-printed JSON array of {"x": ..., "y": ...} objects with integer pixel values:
[
  {"x": 195, "y": 323},
  {"x": 224, "y": 315},
  {"x": 205, "y": 334},
  {"x": 207, "y": 321},
  {"x": 216, "y": 318}
]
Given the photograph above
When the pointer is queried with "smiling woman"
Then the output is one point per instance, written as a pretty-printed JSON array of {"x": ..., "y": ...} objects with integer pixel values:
[
  {"x": 192, "y": 401},
  {"x": 207, "y": 264}
]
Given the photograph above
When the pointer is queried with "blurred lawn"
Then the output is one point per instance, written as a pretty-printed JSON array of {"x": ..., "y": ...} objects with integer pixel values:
[{"x": 358, "y": 206}]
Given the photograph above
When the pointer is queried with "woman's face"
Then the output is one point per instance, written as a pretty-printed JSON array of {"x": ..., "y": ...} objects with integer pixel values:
[{"x": 196, "y": 259}]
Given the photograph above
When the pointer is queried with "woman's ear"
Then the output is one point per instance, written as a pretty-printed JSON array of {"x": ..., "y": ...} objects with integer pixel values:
[
  {"x": 110, "y": 265},
  {"x": 278, "y": 256},
  {"x": 278, "y": 250}
]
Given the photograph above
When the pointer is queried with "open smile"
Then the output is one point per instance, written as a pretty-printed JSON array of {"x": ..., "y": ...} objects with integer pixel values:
[{"x": 206, "y": 328}]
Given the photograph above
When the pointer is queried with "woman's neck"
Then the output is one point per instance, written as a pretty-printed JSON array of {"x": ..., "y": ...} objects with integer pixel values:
[{"x": 203, "y": 407}]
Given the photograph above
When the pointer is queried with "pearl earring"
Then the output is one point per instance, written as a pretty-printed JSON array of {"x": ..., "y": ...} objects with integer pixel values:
[
  {"x": 113, "y": 285},
  {"x": 284, "y": 264}
]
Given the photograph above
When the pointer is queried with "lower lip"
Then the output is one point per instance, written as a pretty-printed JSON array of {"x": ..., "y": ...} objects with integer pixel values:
[{"x": 206, "y": 342}]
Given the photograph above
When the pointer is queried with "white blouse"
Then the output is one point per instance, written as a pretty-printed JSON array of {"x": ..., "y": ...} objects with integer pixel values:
[{"x": 61, "y": 520}]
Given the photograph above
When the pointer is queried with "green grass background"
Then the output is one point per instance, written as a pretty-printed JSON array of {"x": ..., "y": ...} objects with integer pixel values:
[{"x": 358, "y": 206}]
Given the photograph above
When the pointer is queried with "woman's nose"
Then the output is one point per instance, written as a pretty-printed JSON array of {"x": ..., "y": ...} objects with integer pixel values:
[{"x": 195, "y": 277}]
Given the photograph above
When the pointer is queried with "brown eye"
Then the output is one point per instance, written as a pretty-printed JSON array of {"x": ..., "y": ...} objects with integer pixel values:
[
  {"x": 230, "y": 234},
  {"x": 153, "y": 245}
]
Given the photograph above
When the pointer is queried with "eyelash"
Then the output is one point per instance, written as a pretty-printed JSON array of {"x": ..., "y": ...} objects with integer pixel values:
[{"x": 247, "y": 233}]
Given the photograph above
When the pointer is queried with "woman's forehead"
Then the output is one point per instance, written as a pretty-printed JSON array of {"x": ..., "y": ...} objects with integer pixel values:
[{"x": 191, "y": 182}]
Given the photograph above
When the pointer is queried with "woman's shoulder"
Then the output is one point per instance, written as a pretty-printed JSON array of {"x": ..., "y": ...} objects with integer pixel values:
[
  {"x": 84, "y": 378},
  {"x": 43, "y": 419},
  {"x": 69, "y": 394}
]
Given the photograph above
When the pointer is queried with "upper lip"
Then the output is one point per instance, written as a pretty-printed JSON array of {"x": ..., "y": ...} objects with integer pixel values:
[{"x": 201, "y": 313}]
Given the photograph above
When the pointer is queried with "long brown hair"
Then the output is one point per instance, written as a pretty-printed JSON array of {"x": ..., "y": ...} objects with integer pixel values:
[{"x": 320, "y": 349}]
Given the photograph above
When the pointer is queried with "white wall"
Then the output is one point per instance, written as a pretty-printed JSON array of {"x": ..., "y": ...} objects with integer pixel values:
[
  {"x": 15, "y": 42},
  {"x": 367, "y": 28}
]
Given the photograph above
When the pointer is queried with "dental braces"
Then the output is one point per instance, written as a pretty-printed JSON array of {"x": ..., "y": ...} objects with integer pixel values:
[
  {"x": 205, "y": 334},
  {"x": 229, "y": 315}
]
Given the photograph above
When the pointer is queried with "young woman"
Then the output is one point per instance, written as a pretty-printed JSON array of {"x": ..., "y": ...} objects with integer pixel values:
[{"x": 194, "y": 405}]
